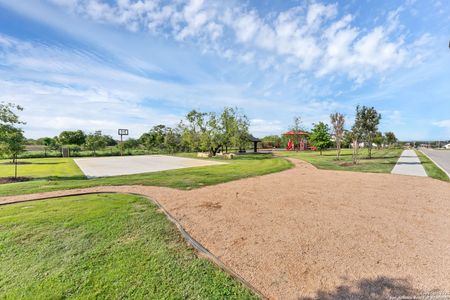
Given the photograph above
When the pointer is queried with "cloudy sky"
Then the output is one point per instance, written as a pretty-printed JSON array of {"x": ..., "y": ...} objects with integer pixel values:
[{"x": 104, "y": 64}]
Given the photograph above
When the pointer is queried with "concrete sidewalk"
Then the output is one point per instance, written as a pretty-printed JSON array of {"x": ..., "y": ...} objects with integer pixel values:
[{"x": 409, "y": 164}]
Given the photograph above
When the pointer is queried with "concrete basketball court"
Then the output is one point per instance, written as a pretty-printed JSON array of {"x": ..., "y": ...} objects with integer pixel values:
[{"x": 127, "y": 165}]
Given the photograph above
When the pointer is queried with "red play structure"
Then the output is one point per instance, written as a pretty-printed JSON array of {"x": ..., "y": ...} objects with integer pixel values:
[{"x": 301, "y": 145}]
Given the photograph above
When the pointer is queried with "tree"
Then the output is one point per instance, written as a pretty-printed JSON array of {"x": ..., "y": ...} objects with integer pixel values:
[
  {"x": 228, "y": 123},
  {"x": 77, "y": 137},
  {"x": 95, "y": 141},
  {"x": 347, "y": 140},
  {"x": 356, "y": 134},
  {"x": 131, "y": 144},
  {"x": 241, "y": 132},
  {"x": 379, "y": 139},
  {"x": 8, "y": 116},
  {"x": 370, "y": 119},
  {"x": 154, "y": 138},
  {"x": 271, "y": 141},
  {"x": 47, "y": 142},
  {"x": 110, "y": 141},
  {"x": 13, "y": 144},
  {"x": 390, "y": 138},
  {"x": 194, "y": 128},
  {"x": 211, "y": 132},
  {"x": 338, "y": 121},
  {"x": 12, "y": 140},
  {"x": 171, "y": 140},
  {"x": 320, "y": 136}
]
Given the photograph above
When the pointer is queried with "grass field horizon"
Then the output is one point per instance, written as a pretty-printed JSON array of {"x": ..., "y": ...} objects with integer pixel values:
[
  {"x": 188, "y": 178},
  {"x": 382, "y": 161}
]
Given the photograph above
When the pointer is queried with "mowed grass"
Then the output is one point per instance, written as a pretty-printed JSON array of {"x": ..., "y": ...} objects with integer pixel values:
[
  {"x": 189, "y": 178},
  {"x": 432, "y": 170},
  {"x": 41, "y": 167},
  {"x": 102, "y": 246},
  {"x": 383, "y": 160}
]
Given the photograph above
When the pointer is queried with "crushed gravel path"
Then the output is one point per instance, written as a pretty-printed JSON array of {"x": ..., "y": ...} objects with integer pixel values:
[{"x": 314, "y": 233}]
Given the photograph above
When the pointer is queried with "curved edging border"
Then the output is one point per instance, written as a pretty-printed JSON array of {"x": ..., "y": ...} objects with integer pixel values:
[{"x": 189, "y": 239}]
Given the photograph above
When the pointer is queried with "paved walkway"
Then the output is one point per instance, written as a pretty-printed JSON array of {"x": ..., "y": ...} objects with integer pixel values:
[
  {"x": 409, "y": 164},
  {"x": 315, "y": 233},
  {"x": 439, "y": 157}
]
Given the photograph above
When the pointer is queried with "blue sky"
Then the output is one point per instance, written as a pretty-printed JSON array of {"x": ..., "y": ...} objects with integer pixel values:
[{"x": 103, "y": 65}]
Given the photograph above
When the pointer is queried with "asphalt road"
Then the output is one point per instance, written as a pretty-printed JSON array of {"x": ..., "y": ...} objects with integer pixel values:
[{"x": 440, "y": 157}]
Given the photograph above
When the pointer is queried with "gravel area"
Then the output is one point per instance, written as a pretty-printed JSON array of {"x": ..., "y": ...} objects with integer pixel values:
[{"x": 314, "y": 233}]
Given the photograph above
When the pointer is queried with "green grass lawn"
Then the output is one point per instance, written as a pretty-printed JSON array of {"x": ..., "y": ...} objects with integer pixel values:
[
  {"x": 41, "y": 167},
  {"x": 382, "y": 161},
  {"x": 432, "y": 170},
  {"x": 102, "y": 246},
  {"x": 245, "y": 166}
]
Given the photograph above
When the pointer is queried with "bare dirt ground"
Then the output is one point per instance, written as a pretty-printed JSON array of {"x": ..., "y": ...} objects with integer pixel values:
[{"x": 307, "y": 233}]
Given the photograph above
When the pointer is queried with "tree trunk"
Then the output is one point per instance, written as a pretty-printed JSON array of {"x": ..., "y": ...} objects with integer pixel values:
[
  {"x": 338, "y": 146},
  {"x": 320, "y": 152},
  {"x": 355, "y": 152},
  {"x": 369, "y": 146},
  {"x": 15, "y": 166}
]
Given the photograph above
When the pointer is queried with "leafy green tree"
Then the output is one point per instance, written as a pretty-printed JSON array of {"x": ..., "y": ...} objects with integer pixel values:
[
  {"x": 95, "y": 141},
  {"x": 211, "y": 132},
  {"x": 12, "y": 140},
  {"x": 47, "y": 142},
  {"x": 131, "y": 144},
  {"x": 379, "y": 139},
  {"x": 228, "y": 123},
  {"x": 320, "y": 136},
  {"x": 212, "y": 137},
  {"x": 154, "y": 139},
  {"x": 390, "y": 138},
  {"x": 13, "y": 143},
  {"x": 77, "y": 137},
  {"x": 271, "y": 141},
  {"x": 194, "y": 129},
  {"x": 171, "y": 140},
  {"x": 370, "y": 119},
  {"x": 357, "y": 133},
  {"x": 110, "y": 141},
  {"x": 8, "y": 115},
  {"x": 241, "y": 132},
  {"x": 338, "y": 121}
]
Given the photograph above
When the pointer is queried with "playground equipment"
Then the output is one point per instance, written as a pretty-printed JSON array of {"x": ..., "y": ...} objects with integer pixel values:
[{"x": 300, "y": 136}]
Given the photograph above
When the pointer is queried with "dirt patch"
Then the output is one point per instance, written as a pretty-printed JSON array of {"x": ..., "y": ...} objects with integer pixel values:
[
  {"x": 13, "y": 180},
  {"x": 211, "y": 205},
  {"x": 346, "y": 164},
  {"x": 307, "y": 233}
]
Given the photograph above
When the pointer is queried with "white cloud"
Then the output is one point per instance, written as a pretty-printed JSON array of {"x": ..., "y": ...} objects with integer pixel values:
[
  {"x": 309, "y": 37},
  {"x": 442, "y": 123},
  {"x": 261, "y": 127}
]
